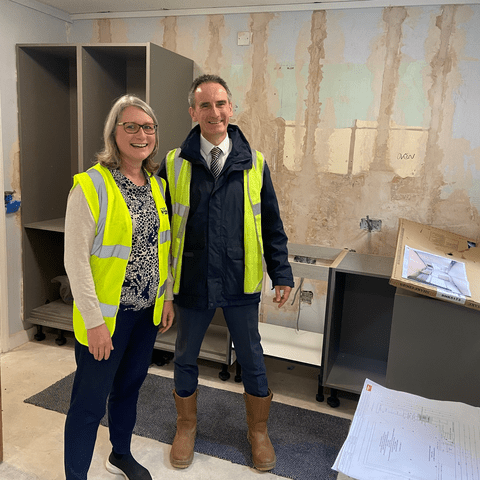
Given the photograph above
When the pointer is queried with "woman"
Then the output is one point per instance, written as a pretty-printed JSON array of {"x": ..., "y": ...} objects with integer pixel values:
[{"x": 117, "y": 239}]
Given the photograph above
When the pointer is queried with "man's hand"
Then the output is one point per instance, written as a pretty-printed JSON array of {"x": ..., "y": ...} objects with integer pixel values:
[
  {"x": 99, "y": 342},
  {"x": 279, "y": 297},
  {"x": 168, "y": 314}
]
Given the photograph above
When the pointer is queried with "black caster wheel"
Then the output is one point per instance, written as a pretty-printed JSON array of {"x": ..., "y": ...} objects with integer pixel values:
[
  {"x": 224, "y": 375},
  {"x": 238, "y": 373},
  {"x": 320, "y": 397},
  {"x": 60, "y": 340},
  {"x": 161, "y": 358},
  {"x": 167, "y": 357},
  {"x": 333, "y": 402},
  {"x": 39, "y": 336}
]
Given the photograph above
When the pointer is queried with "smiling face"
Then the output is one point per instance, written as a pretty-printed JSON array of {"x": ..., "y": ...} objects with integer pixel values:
[
  {"x": 134, "y": 147},
  {"x": 212, "y": 111}
]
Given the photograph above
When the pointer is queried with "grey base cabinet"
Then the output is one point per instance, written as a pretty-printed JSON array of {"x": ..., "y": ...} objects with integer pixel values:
[
  {"x": 434, "y": 349},
  {"x": 397, "y": 338},
  {"x": 358, "y": 322}
]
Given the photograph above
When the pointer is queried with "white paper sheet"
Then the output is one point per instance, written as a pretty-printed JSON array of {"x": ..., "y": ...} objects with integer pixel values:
[
  {"x": 447, "y": 275},
  {"x": 396, "y": 435}
]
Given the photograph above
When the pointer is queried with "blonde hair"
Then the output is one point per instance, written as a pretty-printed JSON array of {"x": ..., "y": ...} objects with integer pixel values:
[{"x": 109, "y": 156}]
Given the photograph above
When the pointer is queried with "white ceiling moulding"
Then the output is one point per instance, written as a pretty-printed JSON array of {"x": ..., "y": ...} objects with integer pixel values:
[
  {"x": 336, "y": 5},
  {"x": 94, "y": 11},
  {"x": 47, "y": 9}
]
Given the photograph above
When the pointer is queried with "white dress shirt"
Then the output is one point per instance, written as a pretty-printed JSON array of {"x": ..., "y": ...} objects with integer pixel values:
[{"x": 225, "y": 146}]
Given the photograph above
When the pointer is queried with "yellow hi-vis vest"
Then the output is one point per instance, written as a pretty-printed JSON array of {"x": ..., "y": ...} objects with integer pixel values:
[
  {"x": 179, "y": 175},
  {"x": 113, "y": 243}
]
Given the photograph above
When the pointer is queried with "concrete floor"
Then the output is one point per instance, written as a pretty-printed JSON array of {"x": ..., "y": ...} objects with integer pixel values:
[{"x": 33, "y": 437}]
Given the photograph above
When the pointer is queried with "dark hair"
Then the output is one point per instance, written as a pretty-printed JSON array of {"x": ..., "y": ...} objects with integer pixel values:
[
  {"x": 207, "y": 79},
  {"x": 109, "y": 156}
]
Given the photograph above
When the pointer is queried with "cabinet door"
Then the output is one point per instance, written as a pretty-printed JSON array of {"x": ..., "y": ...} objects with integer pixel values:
[{"x": 169, "y": 77}]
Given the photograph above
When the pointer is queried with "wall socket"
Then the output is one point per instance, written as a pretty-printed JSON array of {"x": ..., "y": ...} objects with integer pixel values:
[
  {"x": 306, "y": 296},
  {"x": 370, "y": 224}
]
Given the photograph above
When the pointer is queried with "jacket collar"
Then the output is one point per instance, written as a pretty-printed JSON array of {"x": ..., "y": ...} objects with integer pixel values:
[{"x": 240, "y": 157}]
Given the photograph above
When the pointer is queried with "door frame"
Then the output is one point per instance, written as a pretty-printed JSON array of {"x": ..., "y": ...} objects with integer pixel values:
[
  {"x": 3, "y": 281},
  {"x": 4, "y": 330}
]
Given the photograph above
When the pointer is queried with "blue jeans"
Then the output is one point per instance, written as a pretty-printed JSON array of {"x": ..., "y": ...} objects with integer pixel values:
[
  {"x": 242, "y": 323},
  {"x": 119, "y": 379}
]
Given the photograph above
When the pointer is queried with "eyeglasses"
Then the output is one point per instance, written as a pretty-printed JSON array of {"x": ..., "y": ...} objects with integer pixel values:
[{"x": 132, "y": 127}]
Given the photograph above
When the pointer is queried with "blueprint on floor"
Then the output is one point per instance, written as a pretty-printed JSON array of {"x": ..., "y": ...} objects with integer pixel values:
[{"x": 396, "y": 435}]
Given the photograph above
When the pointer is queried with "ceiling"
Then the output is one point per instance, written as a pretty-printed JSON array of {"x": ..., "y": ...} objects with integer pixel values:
[
  {"x": 70, "y": 10},
  {"x": 79, "y": 7}
]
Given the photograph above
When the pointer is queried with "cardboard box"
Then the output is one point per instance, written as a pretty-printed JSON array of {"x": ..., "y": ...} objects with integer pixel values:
[{"x": 437, "y": 263}]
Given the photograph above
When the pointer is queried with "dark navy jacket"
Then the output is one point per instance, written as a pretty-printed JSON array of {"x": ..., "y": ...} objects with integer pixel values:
[{"x": 213, "y": 258}]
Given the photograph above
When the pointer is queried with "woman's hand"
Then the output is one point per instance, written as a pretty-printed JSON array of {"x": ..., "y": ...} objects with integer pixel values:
[
  {"x": 168, "y": 314},
  {"x": 99, "y": 342}
]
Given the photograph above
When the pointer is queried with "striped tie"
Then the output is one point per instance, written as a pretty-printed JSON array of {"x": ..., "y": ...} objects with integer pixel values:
[{"x": 215, "y": 164}]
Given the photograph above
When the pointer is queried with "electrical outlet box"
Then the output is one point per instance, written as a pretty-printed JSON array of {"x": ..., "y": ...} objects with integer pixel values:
[
  {"x": 306, "y": 297},
  {"x": 244, "y": 38},
  {"x": 370, "y": 224}
]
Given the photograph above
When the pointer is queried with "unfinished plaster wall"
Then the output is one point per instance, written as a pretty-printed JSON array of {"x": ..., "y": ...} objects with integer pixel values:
[
  {"x": 359, "y": 112},
  {"x": 366, "y": 112}
]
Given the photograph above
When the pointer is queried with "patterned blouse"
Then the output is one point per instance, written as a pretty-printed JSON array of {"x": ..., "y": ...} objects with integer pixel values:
[{"x": 142, "y": 276}]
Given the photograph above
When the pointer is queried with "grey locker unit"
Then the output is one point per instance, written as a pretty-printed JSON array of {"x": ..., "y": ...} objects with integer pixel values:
[
  {"x": 434, "y": 349},
  {"x": 64, "y": 95},
  {"x": 358, "y": 322}
]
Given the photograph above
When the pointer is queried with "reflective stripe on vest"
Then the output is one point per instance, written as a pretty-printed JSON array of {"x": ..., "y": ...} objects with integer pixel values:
[
  {"x": 179, "y": 175},
  {"x": 112, "y": 244}
]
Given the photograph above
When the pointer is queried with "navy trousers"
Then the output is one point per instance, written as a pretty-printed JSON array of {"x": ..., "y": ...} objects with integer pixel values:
[
  {"x": 119, "y": 379},
  {"x": 242, "y": 323}
]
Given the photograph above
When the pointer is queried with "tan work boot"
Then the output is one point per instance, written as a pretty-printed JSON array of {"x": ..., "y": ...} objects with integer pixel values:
[
  {"x": 258, "y": 408},
  {"x": 181, "y": 454}
]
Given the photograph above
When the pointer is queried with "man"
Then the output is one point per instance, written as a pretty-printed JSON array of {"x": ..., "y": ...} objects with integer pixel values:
[{"x": 225, "y": 215}]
